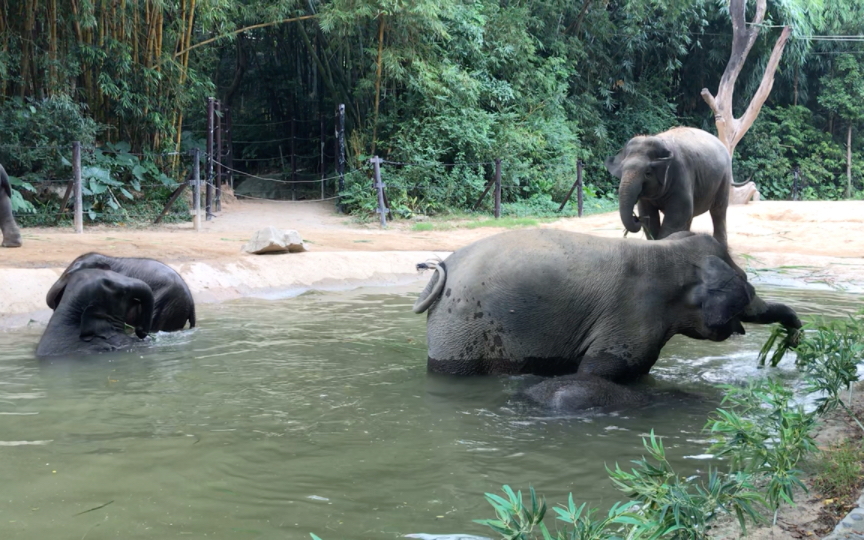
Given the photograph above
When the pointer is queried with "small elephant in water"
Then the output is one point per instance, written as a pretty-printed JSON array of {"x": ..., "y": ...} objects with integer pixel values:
[
  {"x": 173, "y": 303},
  {"x": 93, "y": 313},
  {"x": 551, "y": 302},
  {"x": 683, "y": 172},
  {"x": 11, "y": 234}
]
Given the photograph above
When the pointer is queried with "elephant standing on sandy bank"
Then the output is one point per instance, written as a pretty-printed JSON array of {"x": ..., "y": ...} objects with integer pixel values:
[
  {"x": 173, "y": 303},
  {"x": 683, "y": 172},
  {"x": 551, "y": 302},
  {"x": 11, "y": 234},
  {"x": 93, "y": 313}
]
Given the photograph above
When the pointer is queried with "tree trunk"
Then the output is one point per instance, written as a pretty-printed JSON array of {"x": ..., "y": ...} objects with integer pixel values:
[
  {"x": 730, "y": 130},
  {"x": 849, "y": 162}
]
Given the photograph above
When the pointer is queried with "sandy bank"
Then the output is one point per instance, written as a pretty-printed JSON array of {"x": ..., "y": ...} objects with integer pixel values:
[{"x": 22, "y": 290}]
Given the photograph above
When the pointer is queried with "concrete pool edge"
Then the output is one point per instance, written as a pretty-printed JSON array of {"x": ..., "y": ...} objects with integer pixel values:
[{"x": 22, "y": 290}]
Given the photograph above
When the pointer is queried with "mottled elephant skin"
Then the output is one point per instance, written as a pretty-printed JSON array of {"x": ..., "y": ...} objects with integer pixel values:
[
  {"x": 173, "y": 306},
  {"x": 551, "y": 302},
  {"x": 11, "y": 234},
  {"x": 93, "y": 313},
  {"x": 682, "y": 172}
]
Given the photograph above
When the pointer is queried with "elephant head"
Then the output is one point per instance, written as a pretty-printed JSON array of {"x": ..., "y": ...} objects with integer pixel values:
[
  {"x": 94, "y": 308},
  {"x": 643, "y": 168},
  {"x": 725, "y": 300},
  {"x": 88, "y": 260}
]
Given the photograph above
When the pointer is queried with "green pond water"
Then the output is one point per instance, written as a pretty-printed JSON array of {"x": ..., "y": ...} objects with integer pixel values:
[{"x": 276, "y": 418}]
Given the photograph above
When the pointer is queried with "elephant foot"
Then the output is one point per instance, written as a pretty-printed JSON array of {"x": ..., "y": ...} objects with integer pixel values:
[
  {"x": 575, "y": 392},
  {"x": 12, "y": 243}
]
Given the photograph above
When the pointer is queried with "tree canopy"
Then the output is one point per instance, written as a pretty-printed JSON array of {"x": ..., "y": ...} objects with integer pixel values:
[{"x": 539, "y": 84}]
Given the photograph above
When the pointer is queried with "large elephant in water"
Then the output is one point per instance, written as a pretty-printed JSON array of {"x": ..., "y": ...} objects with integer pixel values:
[
  {"x": 93, "y": 313},
  {"x": 11, "y": 234},
  {"x": 173, "y": 303},
  {"x": 552, "y": 302},
  {"x": 683, "y": 172}
]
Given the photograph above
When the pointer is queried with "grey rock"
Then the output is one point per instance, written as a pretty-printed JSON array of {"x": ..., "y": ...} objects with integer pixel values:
[
  {"x": 856, "y": 517},
  {"x": 273, "y": 240}
]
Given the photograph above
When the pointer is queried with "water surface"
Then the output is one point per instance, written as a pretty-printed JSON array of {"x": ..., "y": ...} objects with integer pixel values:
[{"x": 315, "y": 413}]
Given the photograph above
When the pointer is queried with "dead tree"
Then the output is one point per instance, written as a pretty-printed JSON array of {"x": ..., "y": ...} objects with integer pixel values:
[{"x": 730, "y": 130}]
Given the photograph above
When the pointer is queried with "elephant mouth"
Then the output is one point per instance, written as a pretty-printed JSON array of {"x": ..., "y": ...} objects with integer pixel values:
[{"x": 738, "y": 328}]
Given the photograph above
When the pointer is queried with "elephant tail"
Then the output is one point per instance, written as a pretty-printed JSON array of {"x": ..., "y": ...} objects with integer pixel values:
[
  {"x": 192, "y": 316},
  {"x": 433, "y": 289}
]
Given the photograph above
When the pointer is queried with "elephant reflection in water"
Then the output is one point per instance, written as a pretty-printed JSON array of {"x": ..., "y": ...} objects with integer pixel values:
[{"x": 597, "y": 310}]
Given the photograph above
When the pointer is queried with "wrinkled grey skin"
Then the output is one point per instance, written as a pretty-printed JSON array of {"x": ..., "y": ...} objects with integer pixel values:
[
  {"x": 92, "y": 315},
  {"x": 173, "y": 300},
  {"x": 11, "y": 234},
  {"x": 552, "y": 302},
  {"x": 683, "y": 172}
]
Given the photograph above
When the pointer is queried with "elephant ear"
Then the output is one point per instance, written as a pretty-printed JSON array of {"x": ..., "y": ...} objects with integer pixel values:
[
  {"x": 94, "y": 323},
  {"x": 613, "y": 164},
  {"x": 724, "y": 293},
  {"x": 660, "y": 162}
]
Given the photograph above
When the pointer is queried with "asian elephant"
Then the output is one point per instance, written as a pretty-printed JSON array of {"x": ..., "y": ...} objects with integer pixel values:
[
  {"x": 11, "y": 234},
  {"x": 173, "y": 303},
  {"x": 683, "y": 172},
  {"x": 93, "y": 312},
  {"x": 551, "y": 302}
]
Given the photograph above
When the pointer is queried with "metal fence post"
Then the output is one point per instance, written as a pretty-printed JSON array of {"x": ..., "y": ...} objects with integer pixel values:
[
  {"x": 293, "y": 160},
  {"x": 340, "y": 154},
  {"x": 321, "y": 145},
  {"x": 209, "y": 190},
  {"x": 382, "y": 210},
  {"x": 218, "y": 159},
  {"x": 79, "y": 203},
  {"x": 579, "y": 195},
  {"x": 497, "y": 188},
  {"x": 196, "y": 188},
  {"x": 229, "y": 150},
  {"x": 795, "y": 184}
]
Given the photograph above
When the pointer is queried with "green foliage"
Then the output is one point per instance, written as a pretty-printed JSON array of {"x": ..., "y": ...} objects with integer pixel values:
[
  {"x": 764, "y": 433},
  {"x": 840, "y": 469}
]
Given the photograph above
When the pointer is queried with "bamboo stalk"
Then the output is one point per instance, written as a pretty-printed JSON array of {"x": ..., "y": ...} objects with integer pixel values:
[
  {"x": 378, "y": 82},
  {"x": 245, "y": 29}
]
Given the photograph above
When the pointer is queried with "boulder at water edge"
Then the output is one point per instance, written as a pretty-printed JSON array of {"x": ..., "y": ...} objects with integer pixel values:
[{"x": 273, "y": 240}]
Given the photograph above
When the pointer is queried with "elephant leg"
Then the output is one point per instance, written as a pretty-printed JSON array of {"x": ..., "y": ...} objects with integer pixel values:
[
  {"x": 718, "y": 215},
  {"x": 575, "y": 392},
  {"x": 11, "y": 234},
  {"x": 677, "y": 217},
  {"x": 647, "y": 210}
]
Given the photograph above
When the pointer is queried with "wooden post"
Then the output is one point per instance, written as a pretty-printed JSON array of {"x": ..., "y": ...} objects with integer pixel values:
[
  {"x": 171, "y": 201},
  {"x": 321, "y": 145},
  {"x": 579, "y": 194},
  {"x": 209, "y": 202},
  {"x": 218, "y": 154},
  {"x": 70, "y": 187},
  {"x": 340, "y": 153},
  {"x": 76, "y": 175},
  {"x": 196, "y": 188},
  {"x": 293, "y": 162},
  {"x": 229, "y": 149},
  {"x": 576, "y": 184},
  {"x": 382, "y": 210},
  {"x": 483, "y": 195},
  {"x": 497, "y": 188}
]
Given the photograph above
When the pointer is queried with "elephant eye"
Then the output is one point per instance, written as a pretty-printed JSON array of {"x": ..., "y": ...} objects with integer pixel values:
[{"x": 649, "y": 173}]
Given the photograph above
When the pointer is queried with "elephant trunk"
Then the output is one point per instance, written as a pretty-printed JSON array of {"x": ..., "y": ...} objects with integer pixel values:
[
  {"x": 761, "y": 312},
  {"x": 628, "y": 195},
  {"x": 144, "y": 295}
]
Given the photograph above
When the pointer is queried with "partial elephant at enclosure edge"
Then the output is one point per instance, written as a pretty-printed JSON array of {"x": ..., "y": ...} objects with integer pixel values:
[
  {"x": 551, "y": 302},
  {"x": 173, "y": 303},
  {"x": 11, "y": 234},
  {"x": 683, "y": 172},
  {"x": 92, "y": 314}
]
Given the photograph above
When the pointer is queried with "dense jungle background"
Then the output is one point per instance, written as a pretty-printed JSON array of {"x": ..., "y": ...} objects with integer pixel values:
[{"x": 431, "y": 83}]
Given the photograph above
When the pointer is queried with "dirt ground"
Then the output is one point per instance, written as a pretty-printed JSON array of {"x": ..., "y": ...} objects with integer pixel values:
[{"x": 820, "y": 241}]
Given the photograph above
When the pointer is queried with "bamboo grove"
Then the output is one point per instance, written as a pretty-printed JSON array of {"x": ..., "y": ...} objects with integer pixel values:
[{"x": 538, "y": 83}]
